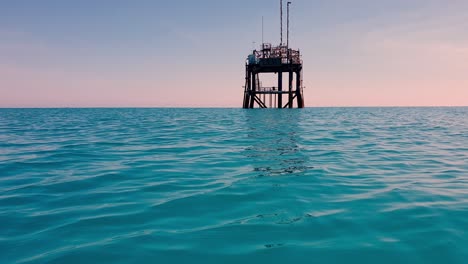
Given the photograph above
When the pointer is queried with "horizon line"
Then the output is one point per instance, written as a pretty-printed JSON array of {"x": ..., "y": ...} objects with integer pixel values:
[{"x": 219, "y": 107}]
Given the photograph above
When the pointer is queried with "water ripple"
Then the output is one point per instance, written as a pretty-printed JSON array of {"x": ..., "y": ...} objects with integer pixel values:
[{"x": 329, "y": 185}]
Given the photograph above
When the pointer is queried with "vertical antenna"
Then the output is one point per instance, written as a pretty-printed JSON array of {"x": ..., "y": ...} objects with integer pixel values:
[
  {"x": 287, "y": 45},
  {"x": 281, "y": 12},
  {"x": 262, "y": 32}
]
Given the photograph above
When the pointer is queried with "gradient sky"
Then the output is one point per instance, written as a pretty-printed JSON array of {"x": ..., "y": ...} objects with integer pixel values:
[{"x": 191, "y": 53}]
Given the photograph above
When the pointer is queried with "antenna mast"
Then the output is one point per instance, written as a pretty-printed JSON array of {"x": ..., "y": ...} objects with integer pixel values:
[
  {"x": 287, "y": 45},
  {"x": 262, "y": 33},
  {"x": 281, "y": 11}
]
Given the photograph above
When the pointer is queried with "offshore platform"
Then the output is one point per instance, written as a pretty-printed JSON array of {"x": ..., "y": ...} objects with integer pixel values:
[{"x": 278, "y": 60}]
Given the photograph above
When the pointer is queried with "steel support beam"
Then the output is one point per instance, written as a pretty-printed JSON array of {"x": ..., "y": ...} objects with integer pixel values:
[{"x": 280, "y": 89}]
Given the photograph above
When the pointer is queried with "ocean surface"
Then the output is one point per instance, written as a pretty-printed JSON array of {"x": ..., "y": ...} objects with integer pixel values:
[{"x": 318, "y": 185}]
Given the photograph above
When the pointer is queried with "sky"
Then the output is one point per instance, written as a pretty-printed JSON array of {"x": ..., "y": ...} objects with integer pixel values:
[{"x": 185, "y": 53}]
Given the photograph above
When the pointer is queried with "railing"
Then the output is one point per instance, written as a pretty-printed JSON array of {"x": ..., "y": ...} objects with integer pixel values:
[{"x": 279, "y": 52}]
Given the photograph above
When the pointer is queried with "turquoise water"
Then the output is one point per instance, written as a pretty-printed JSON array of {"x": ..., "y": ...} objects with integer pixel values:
[{"x": 320, "y": 185}]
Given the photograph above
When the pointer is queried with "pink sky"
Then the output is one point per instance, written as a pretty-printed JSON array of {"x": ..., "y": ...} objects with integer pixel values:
[{"x": 407, "y": 57}]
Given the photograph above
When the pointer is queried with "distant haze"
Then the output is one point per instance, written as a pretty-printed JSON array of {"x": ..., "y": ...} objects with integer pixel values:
[{"x": 185, "y": 53}]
